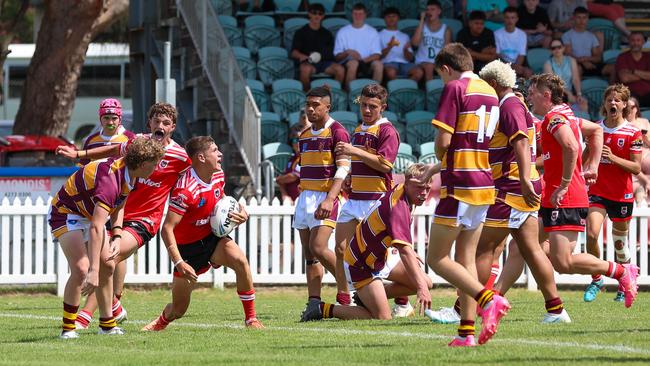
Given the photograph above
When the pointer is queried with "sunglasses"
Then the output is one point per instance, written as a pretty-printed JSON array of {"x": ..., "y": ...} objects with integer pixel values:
[{"x": 556, "y": 47}]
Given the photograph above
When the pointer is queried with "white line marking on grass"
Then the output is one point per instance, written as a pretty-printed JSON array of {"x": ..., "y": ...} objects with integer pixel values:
[{"x": 521, "y": 342}]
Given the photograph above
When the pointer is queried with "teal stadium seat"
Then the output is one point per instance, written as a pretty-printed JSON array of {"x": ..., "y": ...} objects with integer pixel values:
[
  {"x": 294, "y": 118},
  {"x": 273, "y": 129},
  {"x": 377, "y": 23},
  {"x": 536, "y": 58},
  {"x": 404, "y": 96},
  {"x": 454, "y": 24},
  {"x": 259, "y": 94},
  {"x": 611, "y": 37},
  {"x": 260, "y": 31},
  {"x": 645, "y": 114},
  {"x": 434, "y": 91},
  {"x": 334, "y": 24},
  {"x": 229, "y": 26},
  {"x": 374, "y": 7},
  {"x": 274, "y": 63},
  {"x": 245, "y": 62},
  {"x": 287, "y": 97},
  {"x": 339, "y": 96},
  {"x": 428, "y": 153},
  {"x": 391, "y": 116},
  {"x": 349, "y": 120},
  {"x": 222, "y": 7},
  {"x": 609, "y": 56},
  {"x": 291, "y": 25},
  {"x": 277, "y": 153},
  {"x": 408, "y": 26},
  {"x": 355, "y": 88},
  {"x": 419, "y": 129},
  {"x": 286, "y": 6},
  {"x": 404, "y": 158},
  {"x": 593, "y": 89}
]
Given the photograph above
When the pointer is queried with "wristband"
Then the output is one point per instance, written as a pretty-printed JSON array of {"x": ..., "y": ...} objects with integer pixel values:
[
  {"x": 179, "y": 262},
  {"x": 115, "y": 236},
  {"x": 116, "y": 227},
  {"x": 564, "y": 180}
]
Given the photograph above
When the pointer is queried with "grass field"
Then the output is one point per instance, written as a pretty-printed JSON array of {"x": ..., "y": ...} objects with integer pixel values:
[{"x": 212, "y": 332}]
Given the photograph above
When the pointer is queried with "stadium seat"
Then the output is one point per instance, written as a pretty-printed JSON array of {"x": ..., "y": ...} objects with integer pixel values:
[
  {"x": 419, "y": 129},
  {"x": 404, "y": 96},
  {"x": 454, "y": 24},
  {"x": 291, "y": 25},
  {"x": 229, "y": 26},
  {"x": 377, "y": 23},
  {"x": 611, "y": 37},
  {"x": 645, "y": 114},
  {"x": 428, "y": 153},
  {"x": 349, "y": 120},
  {"x": 408, "y": 26},
  {"x": 278, "y": 153},
  {"x": 272, "y": 128},
  {"x": 402, "y": 162},
  {"x": 609, "y": 56},
  {"x": 287, "y": 97},
  {"x": 593, "y": 89},
  {"x": 274, "y": 64},
  {"x": 286, "y": 6},
  {"x": 405, "y": 148},
  {"x": 536, "y": 58},
  {"x": 339, "y": 96},
  {"x": 400, "y": 128},
  {"x": 391, "y": 116},
  {"x": 222, "y": 6},
  {"x": 294, "y": 118},
  {"x": 245, "y": 62},
  {"x": 434, "y": 90},
  {"x": 334, "y": 24},
  {"x": 261, "y": 98},
  {"x": 260, "y": 31},
  {"x": 373, "y": 6},
  {"x": 327, "y": 4},
  {"x": 355, "y": 90},
  {"x": 581, "y": 114},
  {"x": 407, "y": 9}
]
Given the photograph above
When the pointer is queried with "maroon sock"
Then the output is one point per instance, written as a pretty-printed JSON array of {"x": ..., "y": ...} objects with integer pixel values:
[
  {"x": 554, "y": 306},
  {"x": 402, "y": 300}
]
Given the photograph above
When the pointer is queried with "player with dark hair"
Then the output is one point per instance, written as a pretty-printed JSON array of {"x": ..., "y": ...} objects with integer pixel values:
[
  {"x": 613, "y": 195},
  {"x": 322, "y": 172},
  {"x": 191, "y": 244},
  {"x": 77, "y": 217}
]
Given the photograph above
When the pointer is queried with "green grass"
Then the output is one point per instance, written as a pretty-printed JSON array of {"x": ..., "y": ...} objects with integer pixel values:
[{"x": 211, "y": 333}]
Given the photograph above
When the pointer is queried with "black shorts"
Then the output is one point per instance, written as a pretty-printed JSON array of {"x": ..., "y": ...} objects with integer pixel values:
[
  {"x": 198, "y": 254},
  {"x": 139, "y": 230},
  {"x": 617, "y": 211},
  {"x": 322, "y": 66},
  {"x": 564, "y": 219},
  {"x": 364, "y": 70}
]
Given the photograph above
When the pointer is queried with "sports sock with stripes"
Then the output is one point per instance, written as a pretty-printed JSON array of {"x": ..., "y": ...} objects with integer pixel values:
[
  {"x": 69, "y": 316},
  {"x": 327, "y": 310},
  {"x": 554, "y": 306},
  {"x": 466, "y": 328},
  {"x": 615, "y": 271},
  {"x": 107, "y": 323},
  {"x": 84, "y": 318},
  {"x": 484, "y": 297},
  {"x": 248, "y": 302}
]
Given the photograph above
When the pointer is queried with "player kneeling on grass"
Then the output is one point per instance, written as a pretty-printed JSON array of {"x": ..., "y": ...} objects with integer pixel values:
[
  {"x": 78, "y": 216},
  {"x": 381, "y": 249},
  {"x": 188, "y": 235}
]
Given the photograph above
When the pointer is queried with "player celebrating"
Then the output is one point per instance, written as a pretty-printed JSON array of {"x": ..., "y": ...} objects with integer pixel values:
[
  {"x": 144, "y": 210},
  {"x": 373, "y": 150},
  {"x": 466, "y": 120},
  {"x": 191, "y": 244},
  {"x": 322, "y": 171},
  {"x": 613, "y": 195},
  {"x": 373, "y": 256},
  {"x": 77, "y": 216},
  {"x": 564, "y": 198}
]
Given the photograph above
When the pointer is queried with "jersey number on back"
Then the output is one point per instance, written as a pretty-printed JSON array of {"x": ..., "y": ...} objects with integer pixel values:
[{"x": 483, "y": 129}]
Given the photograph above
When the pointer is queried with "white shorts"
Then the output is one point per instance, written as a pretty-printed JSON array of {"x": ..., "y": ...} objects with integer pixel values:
[
  {"x": 64, "y": 223},
  {"x": 500, "y": 215},
  {"x": 452, "y": 212},
  {"x": 306, "y": 206},
  {"x": 356, "y": 210},
  {"x": 358, "y": 278}
]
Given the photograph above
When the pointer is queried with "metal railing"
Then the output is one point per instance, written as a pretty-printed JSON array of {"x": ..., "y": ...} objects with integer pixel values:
[{"x": 227, "y": 81}]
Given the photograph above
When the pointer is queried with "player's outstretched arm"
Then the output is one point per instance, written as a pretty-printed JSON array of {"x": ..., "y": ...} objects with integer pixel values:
[
  {"x": 412, "y": 265},
  {"x": 93, "y": 154},
  {"x": 169, "y": 239}
]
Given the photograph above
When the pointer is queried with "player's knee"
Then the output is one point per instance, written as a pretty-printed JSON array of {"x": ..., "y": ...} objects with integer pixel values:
[
  {"x": 391, "y": 73},
  {"x": 79, "y": 269},
  {"x": 239, "y": 264},
  {"x": 305, "y": 69}
]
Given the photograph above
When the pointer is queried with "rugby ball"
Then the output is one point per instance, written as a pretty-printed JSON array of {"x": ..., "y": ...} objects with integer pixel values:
[{"x": 219, "y": 220}]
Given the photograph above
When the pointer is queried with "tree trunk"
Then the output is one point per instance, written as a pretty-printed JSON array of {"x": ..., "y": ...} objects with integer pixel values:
[
  {"x": 51, "y": 85},
  {"x": 8, "y": 31}
]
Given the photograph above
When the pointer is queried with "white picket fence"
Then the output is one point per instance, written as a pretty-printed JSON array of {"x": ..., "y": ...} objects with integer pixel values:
[{"x": 29, "y": 256}]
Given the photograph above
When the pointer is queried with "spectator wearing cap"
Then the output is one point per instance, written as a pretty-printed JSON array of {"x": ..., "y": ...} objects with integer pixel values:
[
  {"x": 584, "y": 45},
  {"x": 430, "y": 37},
  {"x": 633, "y": 69},
  {"x": 357, "y": 46},
  {"x": 313, "y": 48},
  {"x": 396, "y": 52},
  {"x": 534, "y": 21},
  {"x": 512, "y": 42},
  {"x": 478, "y": 40}
]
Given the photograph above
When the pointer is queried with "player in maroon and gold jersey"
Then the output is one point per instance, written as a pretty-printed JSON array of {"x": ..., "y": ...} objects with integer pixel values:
[
  {"x": 112, "y": 132},
  {"x": 78, "y": 216},
  {"x": 564, "y": 198},
  {"x": 613, "y": 195}
]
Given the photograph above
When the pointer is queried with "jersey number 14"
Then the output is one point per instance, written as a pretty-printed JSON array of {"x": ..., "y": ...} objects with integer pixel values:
[{"x": 483, "y": 129}]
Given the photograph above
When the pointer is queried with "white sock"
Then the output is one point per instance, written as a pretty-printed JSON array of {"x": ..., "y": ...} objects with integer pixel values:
[{"x": 621, "y": 248}]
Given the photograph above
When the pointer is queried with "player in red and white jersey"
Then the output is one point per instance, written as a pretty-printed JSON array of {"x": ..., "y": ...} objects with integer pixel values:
[
  {"x": 564, "y": 198},
  {"x": 144, "y": 208},
  {"x": 192, "y": 245},
  {"x": 613, "y": 195}
]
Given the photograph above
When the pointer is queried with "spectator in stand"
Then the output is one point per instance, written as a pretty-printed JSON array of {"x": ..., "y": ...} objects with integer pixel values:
[
  {"x": 633, "y": 69},
  {"x": 430, "y": 36},
  {"x": 478, "y": 40},
  {"x": 357, "y": 46},
  {"x": 493, "y": 10},
  {"x": 312, "y": 40},
  {"x": 512, "y": 43},
  {"x": 566, "y": 68},
  {"x": 584, "y": 45},
  {"x": 396, "y": 52},
  {"x": 608, "y": 10},
  {"x": 561, "y": 13},
  {"x": 535, "y": 22}
]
